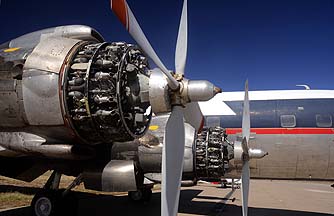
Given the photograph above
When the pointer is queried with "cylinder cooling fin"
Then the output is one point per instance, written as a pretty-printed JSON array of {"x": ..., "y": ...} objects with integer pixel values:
[
  {"x": 106, "y": 93},
  {"x": 212, "y": 154}
]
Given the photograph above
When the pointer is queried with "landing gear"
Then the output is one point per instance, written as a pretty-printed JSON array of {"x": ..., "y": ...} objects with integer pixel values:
[
  {"x": 141, "y": 195},
  {"x": 51, "y": 201},
  {"x": 44, "y": 203}
]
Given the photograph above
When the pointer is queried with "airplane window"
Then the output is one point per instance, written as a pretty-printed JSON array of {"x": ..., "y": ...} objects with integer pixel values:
[
  {"x": 323, "y": 120},
  {"x": 288, "y": 120}
]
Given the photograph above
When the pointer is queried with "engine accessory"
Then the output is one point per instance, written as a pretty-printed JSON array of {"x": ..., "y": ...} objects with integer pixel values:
[
  {"x": 107, "y": 92},
  {"x": 213, "y": 152}
]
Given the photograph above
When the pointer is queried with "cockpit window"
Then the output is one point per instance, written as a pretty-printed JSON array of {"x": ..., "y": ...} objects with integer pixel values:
[
  {"x": 288, "y": 121},
  {"x": 323, "y": 120}
]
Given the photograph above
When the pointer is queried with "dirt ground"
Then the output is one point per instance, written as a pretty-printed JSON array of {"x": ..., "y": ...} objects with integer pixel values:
[
  {"x": 267, "y": 198},
  {"x": 15, "y": 193}
]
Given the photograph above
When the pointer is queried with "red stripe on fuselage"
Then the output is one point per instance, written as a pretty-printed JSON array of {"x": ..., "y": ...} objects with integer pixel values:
[{"x": 283, "y": 130}]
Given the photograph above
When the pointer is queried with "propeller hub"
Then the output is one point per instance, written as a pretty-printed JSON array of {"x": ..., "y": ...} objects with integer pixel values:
[
  {"x": 197, "y": 90},
  {"x": 257, "y": 153},
  {"x": 162, "y": 97}
]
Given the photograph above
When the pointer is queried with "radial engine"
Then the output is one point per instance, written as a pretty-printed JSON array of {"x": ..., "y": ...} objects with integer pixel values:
[{"x": 67, "y": 84}]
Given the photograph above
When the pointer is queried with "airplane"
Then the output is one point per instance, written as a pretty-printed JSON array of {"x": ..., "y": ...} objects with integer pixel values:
[
  {"x": 294, "y": 126},
  {"x": 41, "y": 146},
  {"x": 72, "y": 103}
]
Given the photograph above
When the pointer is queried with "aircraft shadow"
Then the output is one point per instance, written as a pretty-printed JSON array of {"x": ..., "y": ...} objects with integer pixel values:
[
  {"x": 99, "y": 205},
  {"x": 20, "y": 189}
]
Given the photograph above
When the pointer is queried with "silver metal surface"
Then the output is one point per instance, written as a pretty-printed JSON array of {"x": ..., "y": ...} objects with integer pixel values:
[
  {"x": 33, "y": 145},
  {"x": 158, "y": 92},
  {"x": 238, "y": 151},
  {"x": 8, "y": 153},
  {"x": 49, "y": 54},
  {"x": 188, "y": 162},
  {"x": 256, "y": 153},
  {"x": 172, "y": 161},
  {"x": 182, "y": 41},
  {"x": 11, "y": 110},
  {"x": 118, "y": 176},
  {"x": 291, "y": 156},
  {"x": 193, "y": 115},
  {"x": 150, "y": 157},
  {"x": 143, "y": 95},
  {"x": 7, "y": 85},
  {"x": 41, "y": 81},
  {"x": 150, "y": 147},
  {"x": 200, "y": 90},
  {"x": 79, "y": 32},
  {"x": 41, "y": 97}
]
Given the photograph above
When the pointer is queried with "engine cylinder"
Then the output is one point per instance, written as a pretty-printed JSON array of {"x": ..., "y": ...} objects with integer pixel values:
[
  {"x": 213, "y": 152},
  {"x": 106, "y": 93},
  {"x": 75, "y": 91}
]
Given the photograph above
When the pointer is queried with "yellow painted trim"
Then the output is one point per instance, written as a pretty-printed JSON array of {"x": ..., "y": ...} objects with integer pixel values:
[
  {"x": 153, "y": 127},
  {"x": 12, "y": 49}
]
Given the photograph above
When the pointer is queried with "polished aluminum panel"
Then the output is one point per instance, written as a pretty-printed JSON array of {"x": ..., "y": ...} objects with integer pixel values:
[
  {"x": 50, "y": 54},
  {"x": 119, "y": 176},
  {"x": 150, "y": 147},
  {"x": 188, "y": 163},
  {"x": 158, "y": 92},
  {"x": 79, "y": 32},
  {"x": 8, "y": 153},
  {"x": 31, "y": 144},
  {"x": 41, "y": 98},
  {"x": 11, "y": 110}
]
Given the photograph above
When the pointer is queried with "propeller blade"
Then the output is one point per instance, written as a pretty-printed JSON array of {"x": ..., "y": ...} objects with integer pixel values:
[
  {"x": 244, "y": 146},
  {"x": 193, "y": 115},
  {"x": 125, "y": 15},
  {"x": 245, "y": 187},
  {"x": 182, "y": 41},
  {"x": 172, "y": 162},
  {"x": 246, "y": 116},
  {"x": 245, "y": 174}
]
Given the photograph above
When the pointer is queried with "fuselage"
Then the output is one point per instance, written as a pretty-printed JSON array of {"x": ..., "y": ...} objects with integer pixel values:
[{"x": 294, "y": 126}]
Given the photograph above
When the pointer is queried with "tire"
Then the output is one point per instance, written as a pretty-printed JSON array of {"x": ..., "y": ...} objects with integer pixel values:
[
  {"x": 44, "y": 203},
  {"x": 135, "y": 196}
]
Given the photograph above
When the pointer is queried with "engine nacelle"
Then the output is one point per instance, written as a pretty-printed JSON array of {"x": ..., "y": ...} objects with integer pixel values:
[
  {"x": 208, "y": 156},
  {"x": 72, "y": 86}
]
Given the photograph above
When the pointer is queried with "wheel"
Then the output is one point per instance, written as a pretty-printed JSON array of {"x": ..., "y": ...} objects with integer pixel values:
[
  {"x": 44, "y": 203},
  {"x": 135, "y": 195}
]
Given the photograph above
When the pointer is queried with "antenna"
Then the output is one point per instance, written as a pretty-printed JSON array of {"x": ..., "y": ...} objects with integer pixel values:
[{"x": 305, "y": 86}]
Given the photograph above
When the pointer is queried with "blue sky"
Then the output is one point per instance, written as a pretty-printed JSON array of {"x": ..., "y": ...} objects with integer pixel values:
[{"x": 276, "y": 44}]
